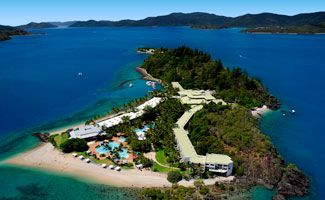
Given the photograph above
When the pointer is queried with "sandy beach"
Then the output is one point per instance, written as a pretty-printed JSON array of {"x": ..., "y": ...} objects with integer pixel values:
[
  {"x": 258, "y": 112},
  {"x": 48, "y": 158}
]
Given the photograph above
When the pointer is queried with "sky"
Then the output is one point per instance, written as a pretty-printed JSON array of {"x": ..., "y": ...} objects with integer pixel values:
[{"x": 18, "y": 12}]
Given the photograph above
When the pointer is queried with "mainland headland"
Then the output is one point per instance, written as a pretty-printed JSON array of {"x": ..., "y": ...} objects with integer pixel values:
[
  {"x": 196, "y": 138},
  {"x": 7, "y": 31},
  {"x": 305, "y": 23}
]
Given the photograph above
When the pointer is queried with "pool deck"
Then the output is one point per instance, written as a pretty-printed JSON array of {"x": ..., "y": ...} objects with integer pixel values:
[{"x": 92, "y": 148}]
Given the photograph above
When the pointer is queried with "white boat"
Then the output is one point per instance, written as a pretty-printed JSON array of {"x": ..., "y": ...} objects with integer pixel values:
[
  {"x": 80, "y": 74},
  {"x": 293, "y": 111},
  {"x": 81, "y": 157},
  {"x": 130, "y": 85},
  {"x": 87, "y": 160}
]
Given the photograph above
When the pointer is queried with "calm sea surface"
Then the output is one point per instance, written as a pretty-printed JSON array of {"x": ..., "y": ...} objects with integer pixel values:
[{"x": 40, "y": 89}]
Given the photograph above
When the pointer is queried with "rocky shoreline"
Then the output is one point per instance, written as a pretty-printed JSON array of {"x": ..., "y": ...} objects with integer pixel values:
[{"x": 147, "y": 76}]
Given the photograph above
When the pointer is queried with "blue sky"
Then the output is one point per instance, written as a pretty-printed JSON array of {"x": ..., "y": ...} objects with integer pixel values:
[{"x": 16, "y": 12}]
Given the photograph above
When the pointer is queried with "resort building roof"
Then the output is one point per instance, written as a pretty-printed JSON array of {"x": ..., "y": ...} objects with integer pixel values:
[
  {"x": 214, "y": 162},
  {"x": 186, "y": 148},
  {"x": 194, "y": 97},
  {"x": 85, "y": 132},
  {"x": 178, "y": 86},
  {"x": 131, "y": 115},
  {"x": 221, "y": 158}
]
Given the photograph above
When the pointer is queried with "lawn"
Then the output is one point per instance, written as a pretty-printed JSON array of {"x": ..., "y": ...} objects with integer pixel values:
[
  {"x": 158, "y": 168},
  {"x": 161, "y": 158},
  {"x": 60, "y": 138}
]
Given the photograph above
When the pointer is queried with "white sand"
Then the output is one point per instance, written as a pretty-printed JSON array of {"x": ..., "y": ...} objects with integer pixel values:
[
  {"x": 48, "y": 158},
  {"x": 258, "y": 112}
]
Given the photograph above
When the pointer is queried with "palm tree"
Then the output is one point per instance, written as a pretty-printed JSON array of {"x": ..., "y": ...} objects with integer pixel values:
[{"x": 126, "y": 119}]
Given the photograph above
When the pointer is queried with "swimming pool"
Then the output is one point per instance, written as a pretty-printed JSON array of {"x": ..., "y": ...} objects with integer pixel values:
[
  {"x": 104, "y": 150},
  {"x": 122, "y": 139},
  {"x": 140, "y": 130}
]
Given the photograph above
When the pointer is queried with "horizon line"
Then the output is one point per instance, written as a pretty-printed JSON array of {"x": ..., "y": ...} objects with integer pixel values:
[{"x": 136, "y": 19}]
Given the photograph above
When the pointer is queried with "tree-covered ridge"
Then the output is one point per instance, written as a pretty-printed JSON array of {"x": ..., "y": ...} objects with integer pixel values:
[
  {"x": 228, "y": 130},
  {"x": 213, "y": 21},
  {"x": 7, "y": 31},
  {"x": 195, "y": 69},
  {"x": 37, "y": 25}
]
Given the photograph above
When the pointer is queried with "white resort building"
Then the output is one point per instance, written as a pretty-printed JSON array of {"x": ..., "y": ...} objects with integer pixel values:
[
  {"x": 195, "y": 97},
  {"x": 219, "y": 163},
  {"x": 90, "y": 131},
  {"x": 84, "y": 132}
]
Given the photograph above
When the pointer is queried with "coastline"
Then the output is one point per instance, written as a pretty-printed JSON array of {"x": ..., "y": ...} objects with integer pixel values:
[
  {"x": 259, "y": 112},
  {"x": 46, "y": 157},
  {"x": 146, "y": 75}
]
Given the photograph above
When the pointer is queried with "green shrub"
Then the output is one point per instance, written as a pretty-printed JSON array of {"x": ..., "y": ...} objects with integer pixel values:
[
  {"x": 174, "y": 176},
  {"x": 222, "y": 186},
  {"x": 52, "y": 140},
  {"x": 204, "y": 190},
  {"x": 74, "y": 144}
]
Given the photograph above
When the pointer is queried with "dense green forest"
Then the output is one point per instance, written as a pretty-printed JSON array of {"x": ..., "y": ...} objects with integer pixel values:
[
  {"x": 7, "y": 31},
  {"x": 37, "y": 25},
  {"x": 195, "y": 69},
  {"x": 227, "y": 130},
  {"x": 207, "y": 20}
]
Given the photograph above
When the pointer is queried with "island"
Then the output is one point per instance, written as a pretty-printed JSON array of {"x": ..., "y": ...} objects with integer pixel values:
[
  {"x": 304, "y": 29},
  {"x": 209, "y": 26},
  {"x": 7, "y": 31},
  {"x": 305, "y": 23},
  {"x": 195, "y": 138},
  {"x": 34, "y": 25}
]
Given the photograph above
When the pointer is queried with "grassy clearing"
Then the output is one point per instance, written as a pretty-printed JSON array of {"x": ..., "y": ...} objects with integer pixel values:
[
  {"x": 60, "y": 138},
  {"x": 158, "y": 168},
  {"x": 161, "y": 158}
]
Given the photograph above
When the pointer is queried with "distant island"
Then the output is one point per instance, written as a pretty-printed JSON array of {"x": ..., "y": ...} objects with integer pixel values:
[
  {"x": 198, "y": 136},
  {"x": 306, "y": 23},
  {"x": 305, "y": 29},
  {"x": 301, "y": 23},
  {"x": 213, "y": 27},
  {"x": 7, "y": 31},
  {"x": 34, "y": 25}
]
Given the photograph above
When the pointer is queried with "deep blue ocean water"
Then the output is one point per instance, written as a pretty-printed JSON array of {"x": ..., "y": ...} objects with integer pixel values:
[{"x": 40, "y": 89}]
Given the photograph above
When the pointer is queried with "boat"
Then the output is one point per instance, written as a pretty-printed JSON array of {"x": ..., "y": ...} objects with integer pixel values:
[
  {"x": 130, "y": 85},
  {"x": 149, "y": 83},
  {"x": 80, "y": 74}
]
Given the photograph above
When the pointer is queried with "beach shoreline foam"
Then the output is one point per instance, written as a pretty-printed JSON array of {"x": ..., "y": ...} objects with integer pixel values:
[
  {"x": 258, "y": 112},
  {"x": 47, "y": 158}
]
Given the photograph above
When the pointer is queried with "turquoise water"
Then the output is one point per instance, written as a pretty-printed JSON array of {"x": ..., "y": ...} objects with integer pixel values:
[
  {"x": 37, "y": 185},
  {"x": 102, "y": 150},
  {"x": 122, "y": 139},
  {"x": 123, "y": 153},
  {"x": 144, "y": 129},
  {"x": 40, "y": 87}
]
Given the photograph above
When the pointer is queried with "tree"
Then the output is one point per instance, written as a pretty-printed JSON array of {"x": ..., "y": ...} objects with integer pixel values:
[
  {"x": 125, "y": 119},
  {"x": 174, "y": 176},
  {"x": 115, "y": 110},
  {"x": 74, "y": 144}
]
